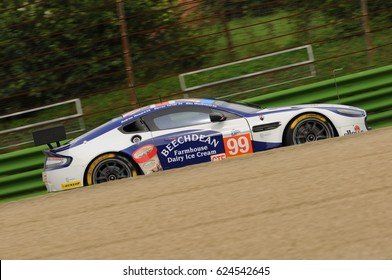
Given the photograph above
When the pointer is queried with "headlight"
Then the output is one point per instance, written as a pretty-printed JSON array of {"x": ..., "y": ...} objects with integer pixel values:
[
  {"x": 54, "y": 161},
  {"x": 351, "y": 113}
]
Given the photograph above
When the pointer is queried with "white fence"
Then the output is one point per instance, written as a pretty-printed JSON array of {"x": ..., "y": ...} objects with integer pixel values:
[
  {"x": 309, "y": 61},
  {"x": 26, "y": 129}
]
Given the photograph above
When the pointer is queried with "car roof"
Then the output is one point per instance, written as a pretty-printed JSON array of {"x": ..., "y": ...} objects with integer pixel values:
[{"x": 139, "y": 112}]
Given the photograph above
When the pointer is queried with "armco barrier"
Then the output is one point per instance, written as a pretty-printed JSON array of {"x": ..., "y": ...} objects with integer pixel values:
[
  {"x": 20, "y": 172},
  {"x": 370, "y": 90}
]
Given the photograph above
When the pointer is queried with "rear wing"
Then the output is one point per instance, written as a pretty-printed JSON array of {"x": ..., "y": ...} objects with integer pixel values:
[{"x": 49, "y": 135}]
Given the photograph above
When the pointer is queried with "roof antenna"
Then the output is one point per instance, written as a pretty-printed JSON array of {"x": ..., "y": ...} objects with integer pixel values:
[{"x": 336, "y": 84}]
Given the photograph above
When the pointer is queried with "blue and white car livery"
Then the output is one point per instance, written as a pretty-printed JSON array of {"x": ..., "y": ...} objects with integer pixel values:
[{"x": 182, "y": 132}]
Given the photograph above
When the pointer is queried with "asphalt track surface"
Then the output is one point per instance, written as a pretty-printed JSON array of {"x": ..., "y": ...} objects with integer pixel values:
[{"x": 324, "y": 200}]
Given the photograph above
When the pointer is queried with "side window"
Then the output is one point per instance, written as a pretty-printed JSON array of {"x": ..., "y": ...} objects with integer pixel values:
[
  {"x": 229, "y": 116},
  {"x": 135, "y": 126},
  {"x": 178, "y": 117}
]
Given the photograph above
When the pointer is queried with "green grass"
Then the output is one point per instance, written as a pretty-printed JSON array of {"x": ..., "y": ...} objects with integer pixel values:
[{"x": 246, "y": 68}]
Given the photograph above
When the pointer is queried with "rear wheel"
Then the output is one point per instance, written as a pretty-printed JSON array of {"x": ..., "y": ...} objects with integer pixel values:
[
  {"x": 109, "y": 167},
  {"x": 308, "y": 128}
]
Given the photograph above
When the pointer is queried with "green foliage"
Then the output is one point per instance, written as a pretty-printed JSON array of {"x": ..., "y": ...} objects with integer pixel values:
[
  {"x": 347, "y": 12},
  {"x": 240, "y": 8},
  {"x": 73, "y": 48},
  {"x": 54, "y": 50},
  {"x": 156, "y": 35}
]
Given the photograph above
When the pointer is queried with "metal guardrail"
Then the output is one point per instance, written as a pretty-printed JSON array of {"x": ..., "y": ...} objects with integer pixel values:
[
  {"x": 78, "y": 114},
  {"x": 20, "y": 171},
  {"x": 309, "y": 61}
]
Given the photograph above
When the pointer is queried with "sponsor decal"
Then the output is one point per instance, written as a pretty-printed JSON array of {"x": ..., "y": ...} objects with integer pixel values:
[
  {"x": 238, "y": 145},
  {"x": 130, "y": 113},
  {"x": 191, "y": 148},
  {"x": 189, "y": 138},
  {"x": 190, "y": 153},
  {"x": 71, "y": 185},
  {"x": 355, "y": 130},
  {"x": 161, "y": 104},
  {"x": 44, "y": 177},
  {"x": 147, "y": 158},
  {"x": 200, "y": 147},
  {"x": 218, "y": 157},
  {"x": 197, "y": 147}
]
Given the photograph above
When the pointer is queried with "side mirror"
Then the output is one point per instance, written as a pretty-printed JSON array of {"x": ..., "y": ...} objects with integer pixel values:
[{"x": 217, "y": 117}]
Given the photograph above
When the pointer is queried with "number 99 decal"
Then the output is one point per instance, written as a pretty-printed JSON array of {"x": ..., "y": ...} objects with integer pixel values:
[{"x": 238, "y": 145}]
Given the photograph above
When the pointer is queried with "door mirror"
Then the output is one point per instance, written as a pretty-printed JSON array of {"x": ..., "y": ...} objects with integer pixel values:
[{"x": 217, "y": 117}]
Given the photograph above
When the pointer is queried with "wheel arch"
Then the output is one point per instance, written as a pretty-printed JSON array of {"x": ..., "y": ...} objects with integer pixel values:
[
  {"x": 128, "y": 157},
  {"x": 285, "y": 131},
  {"x": 132, "y": 161}
]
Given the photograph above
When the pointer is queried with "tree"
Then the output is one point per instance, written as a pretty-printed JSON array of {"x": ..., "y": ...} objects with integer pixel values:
[{"x": 54, "y": 50}]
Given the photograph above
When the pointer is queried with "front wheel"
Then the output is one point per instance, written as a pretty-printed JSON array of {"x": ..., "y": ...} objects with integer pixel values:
[
  {"x": 308, "y": 128},
  {"x": 109, "y": 167}
]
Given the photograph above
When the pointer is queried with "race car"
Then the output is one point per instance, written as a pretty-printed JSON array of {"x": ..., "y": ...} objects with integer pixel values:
[{"x": 183, "y": 132}]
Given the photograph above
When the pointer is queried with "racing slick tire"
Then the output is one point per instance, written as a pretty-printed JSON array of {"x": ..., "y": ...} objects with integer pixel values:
[
  {"x": 308, "y": 127},
  {"x": 109, "y": 167}
]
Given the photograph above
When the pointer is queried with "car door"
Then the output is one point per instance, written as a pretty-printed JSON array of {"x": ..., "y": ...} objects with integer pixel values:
[
  {"x": 185, "y": 135},
  {"x": 140, "y": 145}
]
